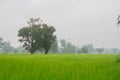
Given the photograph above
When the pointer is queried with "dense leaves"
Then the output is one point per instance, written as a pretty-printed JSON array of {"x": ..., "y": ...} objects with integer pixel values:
[{"x": 37, "y": 36}]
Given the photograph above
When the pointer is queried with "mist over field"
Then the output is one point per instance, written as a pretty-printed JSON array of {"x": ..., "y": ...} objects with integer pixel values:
[{"x": 78, "y": 21}]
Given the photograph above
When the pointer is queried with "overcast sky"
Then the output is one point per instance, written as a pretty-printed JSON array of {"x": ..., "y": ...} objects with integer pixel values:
[{"x": 78, "y": 21}]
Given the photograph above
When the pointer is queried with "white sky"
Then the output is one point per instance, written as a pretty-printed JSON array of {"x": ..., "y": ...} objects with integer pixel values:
[{"x": 78, "y": 21}]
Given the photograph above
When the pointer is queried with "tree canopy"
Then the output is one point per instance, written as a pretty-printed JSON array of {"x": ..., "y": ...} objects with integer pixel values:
[{"x": 37, "y": 36}]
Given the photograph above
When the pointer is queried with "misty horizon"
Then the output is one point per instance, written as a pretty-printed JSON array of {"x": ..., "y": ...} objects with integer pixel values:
[{"x": 78, "y": 21}]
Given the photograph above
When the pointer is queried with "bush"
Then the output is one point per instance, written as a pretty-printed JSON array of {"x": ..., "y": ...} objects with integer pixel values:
[{"x": 118, "y": 58}]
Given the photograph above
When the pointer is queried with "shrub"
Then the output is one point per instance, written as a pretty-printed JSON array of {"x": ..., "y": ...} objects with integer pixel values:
[{"x": 118, "y": 58}]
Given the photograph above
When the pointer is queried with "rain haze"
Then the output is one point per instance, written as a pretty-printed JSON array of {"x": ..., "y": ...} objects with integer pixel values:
[{"x": 78, "y": 21}]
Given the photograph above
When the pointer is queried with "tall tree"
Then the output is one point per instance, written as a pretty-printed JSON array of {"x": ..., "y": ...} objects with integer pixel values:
[
  {"x": 37, "y": 36},
  {"x": 47, "y": 37},
  {"x": 28, "y": 35}
]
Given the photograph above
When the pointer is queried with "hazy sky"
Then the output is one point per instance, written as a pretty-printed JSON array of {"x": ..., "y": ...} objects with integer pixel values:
[{"x": 78, "y": 21}]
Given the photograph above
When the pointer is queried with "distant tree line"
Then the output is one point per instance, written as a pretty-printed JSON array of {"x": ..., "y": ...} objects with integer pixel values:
[
  {"x": 68, "y": 47},
  {"x": 7, "y": 48},
  {"x": 61, "y": 46},
  {"x": 39, "y": 37}
]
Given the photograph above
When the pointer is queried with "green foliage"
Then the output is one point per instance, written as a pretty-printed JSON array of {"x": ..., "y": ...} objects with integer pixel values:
[
  {"x": 27, "y": 38},
  {"x": 63, "y": 43},
  {"x": 70, "y": 48},
  {"x": 54, "y": 47},
  {"x": 67, "y": 47},
  {"x": 47, "y": 37},
  {"x": 84, "y": 49},
  {"x": 100, "y": 50},
  {"x": 5, "y": 46},
  {"x": 1, "y": 42},
  {"x": 59, "y": 67},
  {"x": 79, "y": 50},
  {"x": 118, "y": 58},
  {"x": 37, "y": 36}
]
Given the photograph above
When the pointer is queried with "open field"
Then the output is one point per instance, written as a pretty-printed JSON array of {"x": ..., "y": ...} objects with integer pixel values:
[{"x": 59, "y": 67}]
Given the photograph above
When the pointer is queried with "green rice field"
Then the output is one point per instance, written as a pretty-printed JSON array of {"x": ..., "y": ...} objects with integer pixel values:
[{"x": 59, "y": 67}]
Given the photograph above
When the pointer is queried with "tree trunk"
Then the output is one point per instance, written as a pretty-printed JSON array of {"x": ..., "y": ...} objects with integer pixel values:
[
  {"x": 46, "y": 51},
  {"x": 31, "y": 52}
]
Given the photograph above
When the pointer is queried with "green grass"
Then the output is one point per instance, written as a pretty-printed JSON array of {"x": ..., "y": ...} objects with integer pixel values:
[{"x": 59, "y": 67}]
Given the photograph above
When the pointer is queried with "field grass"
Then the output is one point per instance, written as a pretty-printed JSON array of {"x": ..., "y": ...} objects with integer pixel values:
[{"x": 59, "y": 67}]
